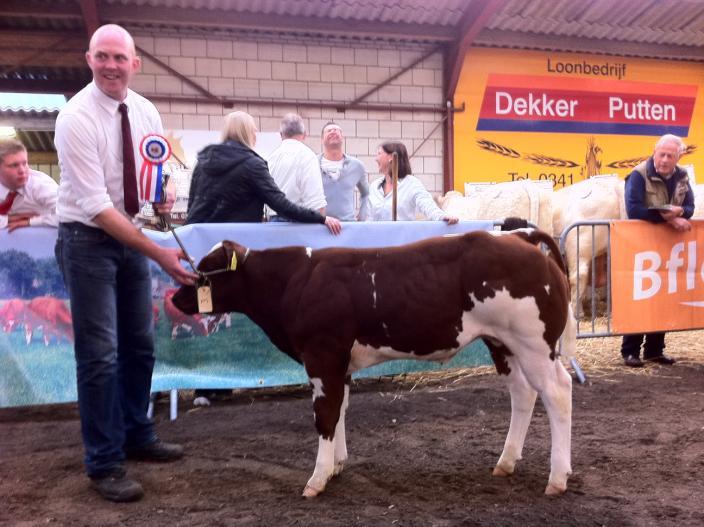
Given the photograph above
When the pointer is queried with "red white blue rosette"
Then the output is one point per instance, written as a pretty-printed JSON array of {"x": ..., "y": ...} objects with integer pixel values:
[{"x": 155, "y": 151}]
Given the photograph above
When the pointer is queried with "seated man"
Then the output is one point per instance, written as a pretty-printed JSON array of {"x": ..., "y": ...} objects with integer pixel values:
[{"x": 27, "y": 197}]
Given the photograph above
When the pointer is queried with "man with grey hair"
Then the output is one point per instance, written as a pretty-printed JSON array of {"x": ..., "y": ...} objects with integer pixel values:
[
  {"x": 658, "y": 191},
  {"x": 294, "y": 167}
]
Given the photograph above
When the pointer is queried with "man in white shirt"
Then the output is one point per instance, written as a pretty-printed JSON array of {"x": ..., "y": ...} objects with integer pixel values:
[
  {"x": 103, "y": 255},
  {"x": 294, "y": 166},
  {"x": 27, "y": 197}
]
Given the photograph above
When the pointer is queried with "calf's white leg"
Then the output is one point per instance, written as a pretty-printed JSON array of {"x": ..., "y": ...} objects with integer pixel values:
[
  {"x": 522, "y": 404},
  {"x": 328, "y": 402},
  {"x": 554, "y": 385},
  {"x": 340, "y": 440},
  {"x": 323, "y": 468},
  {"x": 557, "y": 399}
]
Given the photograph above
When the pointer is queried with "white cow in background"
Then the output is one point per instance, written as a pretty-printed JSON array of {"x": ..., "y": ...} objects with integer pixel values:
[
  {"x": 698, "y": 201},
  {"x": 531, "y": 200},
  {"x": 598, "y": 198}
]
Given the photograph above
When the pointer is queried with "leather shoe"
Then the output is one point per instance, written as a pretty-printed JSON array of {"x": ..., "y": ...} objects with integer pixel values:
[
  {"x": 116, "y": 486},
  {"x": 633, "y": 362},
  {"x": 662, "y": 359},
  {"x": 158, "y": 450}
]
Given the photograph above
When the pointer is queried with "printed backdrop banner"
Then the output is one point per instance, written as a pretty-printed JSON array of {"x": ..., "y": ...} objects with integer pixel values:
[
  {"x": 564, "y": 117},
  {"x": 36, "y": 339},
  {"x": 657, "y": 277}
]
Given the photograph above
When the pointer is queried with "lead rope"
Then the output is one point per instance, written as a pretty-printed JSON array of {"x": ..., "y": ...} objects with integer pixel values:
[{"x": 165, "y": 224}]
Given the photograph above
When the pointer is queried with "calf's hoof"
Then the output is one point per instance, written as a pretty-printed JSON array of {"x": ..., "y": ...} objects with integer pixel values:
[
  {"x": 501, "y": 472},
  {"x": 310, "y": 492},
  {"x": 555, "y": 490},
  {"x": 339, "y": 466}
]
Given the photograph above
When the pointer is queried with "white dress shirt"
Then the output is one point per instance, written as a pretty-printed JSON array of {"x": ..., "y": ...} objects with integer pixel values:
[
  {"x": 296, "y": 171},
  {"x": 37, "y": 196},
  {"x": 412, "y": 201},
  {"x": 89, "y": 143}
]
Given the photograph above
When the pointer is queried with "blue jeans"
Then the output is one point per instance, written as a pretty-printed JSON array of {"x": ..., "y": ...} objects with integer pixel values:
[{"x": 109, "y": 287}]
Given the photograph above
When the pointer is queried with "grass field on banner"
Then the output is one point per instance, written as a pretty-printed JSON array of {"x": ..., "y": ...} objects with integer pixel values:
[{"x": 240, "y": 356}]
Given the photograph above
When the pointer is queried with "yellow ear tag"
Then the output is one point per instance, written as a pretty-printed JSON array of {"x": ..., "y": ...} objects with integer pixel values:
[{"x": 233, "y": 262}]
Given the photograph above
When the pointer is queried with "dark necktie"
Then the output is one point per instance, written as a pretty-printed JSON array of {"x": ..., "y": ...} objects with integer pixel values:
[
  {"x": 129, "y": 171},
  {"x": 6, "y": 205}
]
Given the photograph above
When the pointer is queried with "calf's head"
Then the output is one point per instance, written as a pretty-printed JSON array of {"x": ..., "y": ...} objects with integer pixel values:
[{"x": 222, "y": 272}]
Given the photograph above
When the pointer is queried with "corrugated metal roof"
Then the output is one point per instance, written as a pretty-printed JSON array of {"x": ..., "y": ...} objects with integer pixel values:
[
  {"x": 37, "y": 140},
  {"x": 439, "y": 12},
  {"x": 31, "y": 102},
  {"x": 676, "y": 22}
]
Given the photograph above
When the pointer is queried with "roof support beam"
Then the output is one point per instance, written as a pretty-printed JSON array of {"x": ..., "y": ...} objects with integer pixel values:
[
  {"x": 473, "y": 21},
  {"x": 230, "y": 102},
  {"x": 91, "y": 19},
  {"x": 179, "y": 75},
  {"x": 391, "y": 79},
  {"x": 32, "y": 57},
  {"x": 42, "y": 48},
  {"x": 23, "y": 9},
  {"x": 64, "y": 86}
]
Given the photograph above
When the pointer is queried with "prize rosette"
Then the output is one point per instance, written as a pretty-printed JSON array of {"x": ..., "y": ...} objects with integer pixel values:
[{"x": 155, "y": 151}]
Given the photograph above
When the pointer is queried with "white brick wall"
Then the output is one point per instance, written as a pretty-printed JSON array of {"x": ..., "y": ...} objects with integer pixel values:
[{"x": 325, "y": 70}]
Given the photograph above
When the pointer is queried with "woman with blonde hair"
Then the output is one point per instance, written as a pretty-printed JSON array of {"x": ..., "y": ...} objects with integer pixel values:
[{"x": 231, "y": 182}]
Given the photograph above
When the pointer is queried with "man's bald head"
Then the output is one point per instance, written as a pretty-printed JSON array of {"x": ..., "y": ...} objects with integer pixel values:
[
  {"x": 112, "y": 30},
  {"x": 112, "y": 59}
]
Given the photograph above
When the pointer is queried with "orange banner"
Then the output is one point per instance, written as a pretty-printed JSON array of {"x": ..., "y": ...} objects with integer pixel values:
[{"x": 657, "y": 277}]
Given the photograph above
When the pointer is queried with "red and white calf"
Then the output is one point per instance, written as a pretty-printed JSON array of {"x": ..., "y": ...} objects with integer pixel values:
[
  {"x": 12, "y": 314},
  {"x": 52, "y": 316},
  {"x": 340, "y": 310}
]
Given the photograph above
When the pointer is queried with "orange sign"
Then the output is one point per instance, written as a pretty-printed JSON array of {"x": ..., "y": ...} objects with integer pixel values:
[{"x": 657, "y": 277}]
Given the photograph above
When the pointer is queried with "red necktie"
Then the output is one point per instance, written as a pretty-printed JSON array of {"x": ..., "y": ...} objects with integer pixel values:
[
  {"x": 6, "y": 205},
  {"x": 129, "y": 171}
]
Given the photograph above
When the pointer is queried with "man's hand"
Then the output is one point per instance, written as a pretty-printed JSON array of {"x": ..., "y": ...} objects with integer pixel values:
[
  {"x": 163, "y": 208},
  {"x": 170, "y": 261},
  {"x": 17, "y": 221},
  {"x": 680, "y": 224},
  {"x": 451, "y": 220},
  {"x": 674, "y": 219},
  {"x": 674, "y": 212},
  {"x": 333, "y": 225}
]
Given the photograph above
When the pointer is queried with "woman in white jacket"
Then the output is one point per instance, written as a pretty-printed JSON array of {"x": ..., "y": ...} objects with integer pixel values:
[{"x": 413, "y": 199}]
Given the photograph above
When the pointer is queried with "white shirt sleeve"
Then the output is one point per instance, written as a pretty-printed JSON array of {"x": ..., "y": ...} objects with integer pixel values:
[
  {"x": 424, "y": 202},
  {"x": 77, "y": 146},
  {"x": 44, "y": 192},
  {"x": 311, "y": 183}
]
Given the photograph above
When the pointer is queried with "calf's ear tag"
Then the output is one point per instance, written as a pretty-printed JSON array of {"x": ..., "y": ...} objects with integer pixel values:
[
  {"x": 205, "y": 299},
  {"x": 233, "y": 262}
]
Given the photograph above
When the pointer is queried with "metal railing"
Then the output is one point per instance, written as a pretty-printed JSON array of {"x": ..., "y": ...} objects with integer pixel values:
[{"x": 575, "y": 230}]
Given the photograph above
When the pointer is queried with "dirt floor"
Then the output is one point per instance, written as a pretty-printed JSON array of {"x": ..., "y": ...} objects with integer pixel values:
[{"x": 421, "y": 453}]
